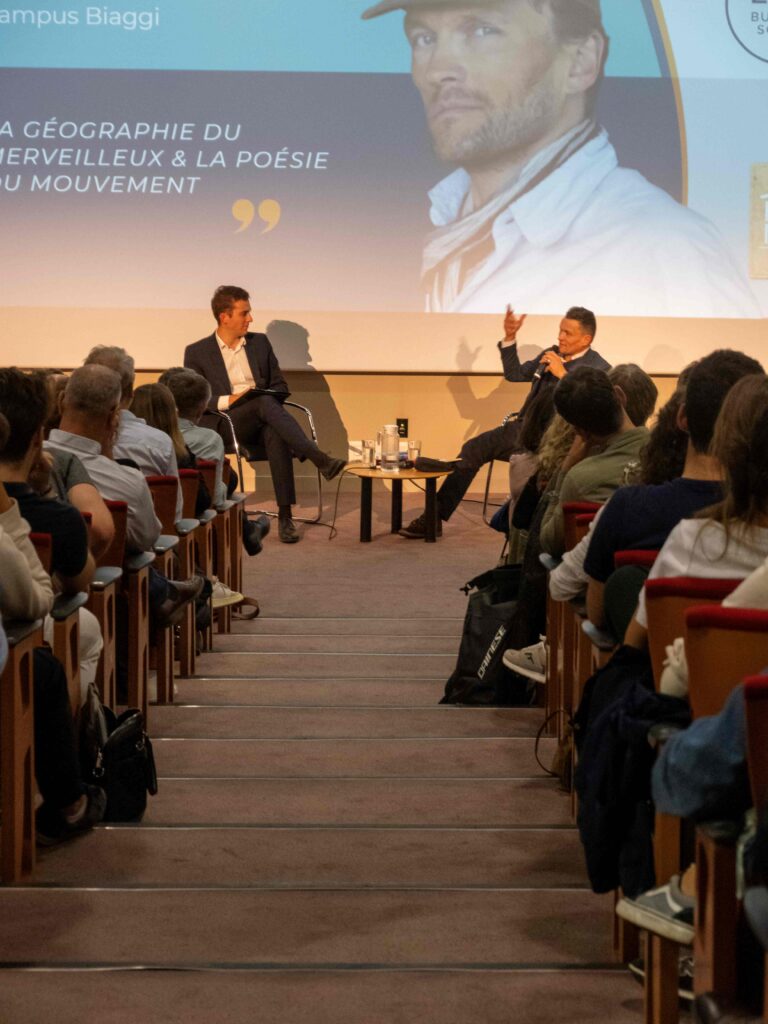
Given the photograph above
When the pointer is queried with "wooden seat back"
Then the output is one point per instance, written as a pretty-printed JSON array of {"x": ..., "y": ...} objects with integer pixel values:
[
  {"x": 207, "y": 469},
  {"x": 642, "y": 559},
  {"x": 17, "y": 753},
  {"x": 43, "y": 544},
  {"x": 190, "y": 484},
  {"x": 722, "y": 646},
  {"x": 164, "y": 491},
  {"x": 571, "y": 511},
  {"x": 756, "y": 706},
  {"x": 667, "y": 599},
  {"x": 115, "y": 553}
]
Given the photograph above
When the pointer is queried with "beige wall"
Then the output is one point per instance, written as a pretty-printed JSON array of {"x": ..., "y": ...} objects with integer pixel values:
[{"x": 443, "y": 411}]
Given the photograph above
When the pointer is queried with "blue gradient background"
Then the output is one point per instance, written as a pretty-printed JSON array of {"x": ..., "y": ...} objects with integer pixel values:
[{"x": 269, "y": 35}]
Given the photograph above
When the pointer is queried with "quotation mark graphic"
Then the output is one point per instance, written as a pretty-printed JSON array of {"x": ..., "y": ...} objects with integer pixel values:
[{"x": 270, "y": 211}]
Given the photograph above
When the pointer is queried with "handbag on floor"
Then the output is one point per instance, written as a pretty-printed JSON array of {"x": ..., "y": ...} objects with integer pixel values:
[
  {"x": 480, "y": 678},
  {"x": 116, "y": 754}
]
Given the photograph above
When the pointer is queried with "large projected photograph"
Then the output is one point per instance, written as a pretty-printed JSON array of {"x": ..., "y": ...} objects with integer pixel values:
[{"x": 339, "y": 157}]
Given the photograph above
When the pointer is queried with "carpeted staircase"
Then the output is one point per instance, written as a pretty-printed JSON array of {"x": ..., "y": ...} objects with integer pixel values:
[{"x": 328, "y": 846}]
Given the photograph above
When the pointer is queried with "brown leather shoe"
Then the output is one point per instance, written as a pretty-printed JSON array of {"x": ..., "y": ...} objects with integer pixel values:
[
  {"x": 182, "y": 592},
  {"x": 287, "y": 532}
]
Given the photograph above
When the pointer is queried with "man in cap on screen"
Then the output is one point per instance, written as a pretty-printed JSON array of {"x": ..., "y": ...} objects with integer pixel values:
[{"x": 538, "y": 209}]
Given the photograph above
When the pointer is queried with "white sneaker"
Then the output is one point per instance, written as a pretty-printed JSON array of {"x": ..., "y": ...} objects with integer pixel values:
[
  {"x": 222, "y": 596},
  {"x": 530, "y": 662}
]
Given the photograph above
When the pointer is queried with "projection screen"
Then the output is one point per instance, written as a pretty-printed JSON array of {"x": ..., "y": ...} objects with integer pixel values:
[{"x": 383, "y": 190}]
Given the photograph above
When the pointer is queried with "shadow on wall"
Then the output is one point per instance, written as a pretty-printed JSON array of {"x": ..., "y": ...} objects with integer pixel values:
[
  {"x": 308, "y": 386},
  {"x": 471, "y": 408}
]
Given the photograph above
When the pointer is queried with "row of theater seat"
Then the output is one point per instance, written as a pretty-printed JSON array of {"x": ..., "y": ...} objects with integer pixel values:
[
  {"x": 212, "y": 543},
  {"x": 724, "y": 647}
]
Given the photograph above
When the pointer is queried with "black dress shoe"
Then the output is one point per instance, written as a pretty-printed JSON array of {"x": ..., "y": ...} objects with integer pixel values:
[
  {"x": 425, "y": 465},
  {"x": 286, "y": 531},
  {"x": 254, "y": 532},
  {"x": 417, "y": 528},
  {"x": 333, "y": 468},
  {"x": 52, "y": 826},
  {"x": 171, "y": 611}
]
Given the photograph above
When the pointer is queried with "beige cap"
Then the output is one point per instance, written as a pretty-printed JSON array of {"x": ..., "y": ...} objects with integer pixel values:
[{"x": 385, "y": 6}]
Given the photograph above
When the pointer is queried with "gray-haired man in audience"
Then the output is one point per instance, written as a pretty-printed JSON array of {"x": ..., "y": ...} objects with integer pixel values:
[
  {"x": 150, "y": 449},
  {"x": 89, "y": 420}
]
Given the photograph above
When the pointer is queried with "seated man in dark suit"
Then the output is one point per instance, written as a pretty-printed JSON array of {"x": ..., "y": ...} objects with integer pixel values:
[
  {"x": 233, "y": 360},
  {"x": 573, "y": 349}
]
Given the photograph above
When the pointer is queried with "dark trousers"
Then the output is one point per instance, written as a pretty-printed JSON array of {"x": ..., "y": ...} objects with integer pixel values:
[
  {"x": 498, "y": 443},
  {"x": 57, "y": 768},
  {"x": 263, "y": 423}
]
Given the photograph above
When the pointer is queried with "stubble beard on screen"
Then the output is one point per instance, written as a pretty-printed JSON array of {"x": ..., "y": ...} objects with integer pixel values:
[{"x": 510, "y": 132}]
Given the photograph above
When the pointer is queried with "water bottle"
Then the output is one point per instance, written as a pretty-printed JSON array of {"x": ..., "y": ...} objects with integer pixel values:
[{"x": 390, "y": 449}]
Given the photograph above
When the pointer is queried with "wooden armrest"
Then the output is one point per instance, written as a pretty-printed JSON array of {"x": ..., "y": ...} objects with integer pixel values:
[
  {"x": 208, "y": 516},
  {"x": 165, "y": 542},
  {"x": 225, "y": 506},
  {"x": 549, "y": 562},
  {"x": 722, "y": 831},
  {"x": 105, "y": 575},
  {"x": 186, "y": 526},
  {"x": 135, "y": 563},
  {"x": 599, "y": 637},
  {"x": 66, "y": 605},
  {"x": 19, "y": 629}
]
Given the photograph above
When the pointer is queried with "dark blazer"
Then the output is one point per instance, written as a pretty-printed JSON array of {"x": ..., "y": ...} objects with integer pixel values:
[
  {"x": 516, "y": 371},
  {"x": 205, "y": 357}
]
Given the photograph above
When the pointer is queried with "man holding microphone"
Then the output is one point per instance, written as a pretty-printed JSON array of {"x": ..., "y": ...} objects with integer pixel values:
[{"x": 574, "y": 348}]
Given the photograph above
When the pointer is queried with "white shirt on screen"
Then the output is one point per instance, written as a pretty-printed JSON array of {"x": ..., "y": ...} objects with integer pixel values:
[
  {"x": 601, "y": 236},
  {"x": 238, "y": 371},
  {"x": 700, "y": 548}
]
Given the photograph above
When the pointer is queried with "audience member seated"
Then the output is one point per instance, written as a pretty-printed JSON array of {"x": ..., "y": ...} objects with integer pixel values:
[
  {"x": 192, "y": 395},
  {"x": 155, "y": 404},
  {"x": 628, "y": 396},
  {"x": 69, "y": 807},
  {"x": 732, "y": 540},
  {"x": 24, "y": 403},
  {"x": 607, "y": 415},
  {"x": 136, "y": 442},
  {"x": 642, "y": 517},
  {"x": 661, "y": 459},
  {"x": 89, "y": 419},
  {"x": 68, "y": 478},
  {"x": 701, "y": 774}
]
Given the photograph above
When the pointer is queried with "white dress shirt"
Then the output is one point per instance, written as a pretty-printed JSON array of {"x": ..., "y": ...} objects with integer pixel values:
[
  {"x": 115, "y": 483},
  {"x": 238, "y": 371},
  {"x": 602, "y": 236}
]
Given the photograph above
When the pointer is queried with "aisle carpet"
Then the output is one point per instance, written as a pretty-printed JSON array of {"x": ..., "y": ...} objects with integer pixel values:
[{"x": 328, "y": 845}]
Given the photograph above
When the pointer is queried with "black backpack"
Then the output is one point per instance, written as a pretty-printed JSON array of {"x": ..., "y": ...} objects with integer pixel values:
[
  {"x": 480, "y": 678},
  {"x": 116, "y": 754}
]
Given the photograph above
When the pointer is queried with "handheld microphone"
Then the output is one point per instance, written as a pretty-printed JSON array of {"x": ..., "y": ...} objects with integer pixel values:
[{"x": 541, "y": 369}]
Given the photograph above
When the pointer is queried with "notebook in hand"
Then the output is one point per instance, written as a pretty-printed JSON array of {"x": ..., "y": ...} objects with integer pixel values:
[{"x": 256, "y": 393}]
